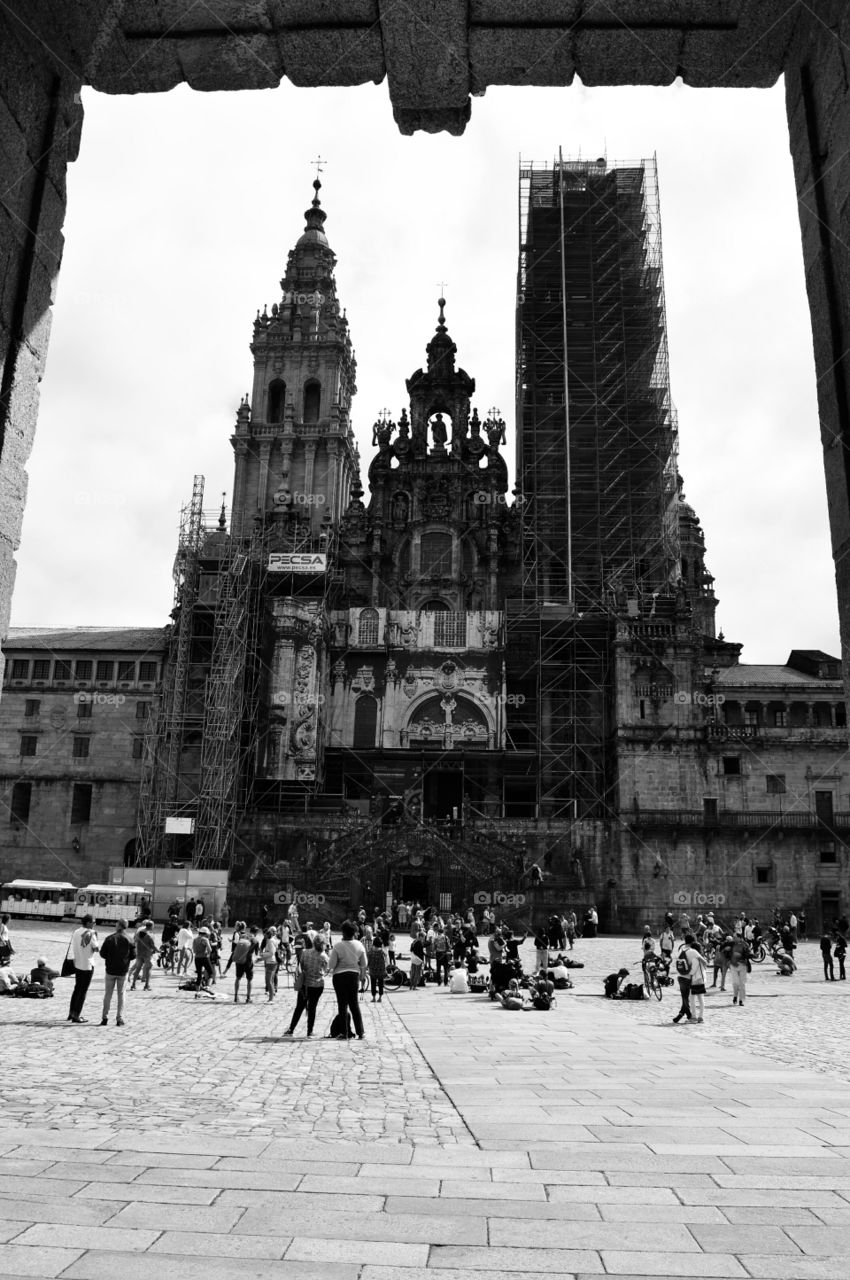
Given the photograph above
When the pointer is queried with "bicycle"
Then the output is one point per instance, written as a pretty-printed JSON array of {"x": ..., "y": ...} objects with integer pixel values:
[{"x": 656, "y": 975}]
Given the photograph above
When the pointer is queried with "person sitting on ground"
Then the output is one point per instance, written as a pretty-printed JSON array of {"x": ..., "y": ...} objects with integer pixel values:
[
  {"x": 559, "y": 974},
  {"x": 542, "y": 992},
  {"x": 43, "y": 974},
  {"x": 613, "y": 983},
  {"x": 459, "y": 983},
  {"x": 8, "y": 979},
  {"x": 511, "y": 997}
]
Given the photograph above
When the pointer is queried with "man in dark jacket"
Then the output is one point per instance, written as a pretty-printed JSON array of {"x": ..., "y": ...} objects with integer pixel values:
[{"x": 116, "y": 952}]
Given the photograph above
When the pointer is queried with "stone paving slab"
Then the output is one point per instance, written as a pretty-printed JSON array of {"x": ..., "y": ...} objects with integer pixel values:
[{"x": 456, "y": 1140}]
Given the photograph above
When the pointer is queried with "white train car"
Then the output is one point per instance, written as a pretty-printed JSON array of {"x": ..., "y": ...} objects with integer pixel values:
[
  {"x": 47, "y": 899},
  {"x": 110, "y": 901}
]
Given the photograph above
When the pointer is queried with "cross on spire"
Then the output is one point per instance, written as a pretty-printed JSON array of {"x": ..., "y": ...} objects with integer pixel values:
[
  {"x": 494, "y": 413},
  {"x": 320, "y": 165},
  {"x": 442, "y": 284}
]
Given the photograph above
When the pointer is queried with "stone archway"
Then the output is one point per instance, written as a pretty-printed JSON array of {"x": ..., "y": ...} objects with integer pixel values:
[{"x": 48, "y": 51}]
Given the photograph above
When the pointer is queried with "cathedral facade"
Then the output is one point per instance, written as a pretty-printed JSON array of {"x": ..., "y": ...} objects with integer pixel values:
[{"x": 410, "y": 689}]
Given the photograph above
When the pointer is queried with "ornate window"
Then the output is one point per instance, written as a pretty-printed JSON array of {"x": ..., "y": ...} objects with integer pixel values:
[
  {"x": 312, "y": 401},
  {"x": 365, "y": 722},
  {"x": 277, "y": 400},
  {"x": 367, "y": 627},
  {"x": 450, "y": 630},
  {"x": 435, "y": 555}
]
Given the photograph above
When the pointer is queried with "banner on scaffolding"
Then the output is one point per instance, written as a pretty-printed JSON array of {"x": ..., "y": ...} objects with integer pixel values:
[{"x": 297, "y": 562}]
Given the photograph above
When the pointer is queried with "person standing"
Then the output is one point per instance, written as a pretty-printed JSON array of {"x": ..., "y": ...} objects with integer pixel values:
[
  {"x": 145, "y": 952},
  {"x": 116, "y": 953},
  {"x": 270, "y": 958},
  {"x": 739, "y": 963},
  {"x": 720, "y": 963},
  {"x": 84, "y": 947},
  {"x": 839, "y": 952},
  {"x": 185, "y": 940},
  {"x": 377, "y": 960},
  {"x": 442, "y": 955},
  {"x": 6, "y": 948},
  {"x": 347, "y": 964},
  {"x": 313, "y": 966},
  {"x": 826, "y": 953},
  {"x": 683, "y": 973},
  {"x": 200, "y": 911},
  {"x": 242, "y": 956},
  {"x": 697, "y": 964},
  {"x": 417, "y": 960}
]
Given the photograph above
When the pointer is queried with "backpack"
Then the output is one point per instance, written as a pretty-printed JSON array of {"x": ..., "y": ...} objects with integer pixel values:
[
  {"x": 683, "y": 965},
  {"x": 632, "y": 991},
  {"x": 340, "y": 1028}
]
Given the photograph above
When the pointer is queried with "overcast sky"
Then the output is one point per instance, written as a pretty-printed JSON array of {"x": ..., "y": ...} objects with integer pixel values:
[{"x": 183, "y": 206}]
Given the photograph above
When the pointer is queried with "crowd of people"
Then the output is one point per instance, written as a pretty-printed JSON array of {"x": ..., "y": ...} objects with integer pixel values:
[{"x": 726, "y": 951}]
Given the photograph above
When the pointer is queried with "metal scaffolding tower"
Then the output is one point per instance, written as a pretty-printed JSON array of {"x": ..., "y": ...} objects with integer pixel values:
[
  {"x": 160, "y": 795},
  {"x": 223, "y": 739},
  {"x": 596, "y": 452}
]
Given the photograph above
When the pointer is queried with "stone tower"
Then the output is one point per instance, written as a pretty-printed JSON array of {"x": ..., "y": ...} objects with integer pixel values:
[{"x": 294, "y": 446}]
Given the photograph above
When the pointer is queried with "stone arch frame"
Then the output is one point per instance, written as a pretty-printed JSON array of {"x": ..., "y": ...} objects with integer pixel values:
[
  {"x": 50, "y": 56},
  {"x": 460, "y": 696}
]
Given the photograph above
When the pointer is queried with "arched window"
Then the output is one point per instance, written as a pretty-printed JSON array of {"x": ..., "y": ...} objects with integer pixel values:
[
  {"x": 367, "y": 627},
  {"x": 365, "y": 721},
  {"x": 684, "y": 569},
  {"x": 277, "y": 400},
  {"x": 435, "y": 555},
  {"x": 312, "y": 401}
]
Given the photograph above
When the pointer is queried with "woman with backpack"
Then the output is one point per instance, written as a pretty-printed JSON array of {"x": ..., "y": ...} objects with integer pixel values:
[
  {"x": 348, "y": 965},
  {"x": 691, "y": 968}
]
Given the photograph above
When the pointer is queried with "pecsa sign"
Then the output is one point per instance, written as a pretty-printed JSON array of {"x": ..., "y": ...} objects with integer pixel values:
[{"x": 297, "y": 562}]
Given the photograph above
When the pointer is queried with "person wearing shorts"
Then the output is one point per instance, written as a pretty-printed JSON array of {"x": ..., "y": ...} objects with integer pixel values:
[{"x": 242, "y": 957}]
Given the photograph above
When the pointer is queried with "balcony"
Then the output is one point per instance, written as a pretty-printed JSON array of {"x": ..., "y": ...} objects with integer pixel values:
[{"x": 743, "y": 820}]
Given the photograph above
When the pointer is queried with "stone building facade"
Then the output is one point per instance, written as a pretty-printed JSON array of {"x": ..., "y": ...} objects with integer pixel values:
[
  {"x": 344, "y": 706},
  {"x": 76, "y": 708}
]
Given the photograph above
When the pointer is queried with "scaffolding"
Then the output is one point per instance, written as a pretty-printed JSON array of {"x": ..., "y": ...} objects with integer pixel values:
[
  {"x": 225, "y": 727},
  {"x": 160, "y": 791},
  {"x": 596, "y": 452}
]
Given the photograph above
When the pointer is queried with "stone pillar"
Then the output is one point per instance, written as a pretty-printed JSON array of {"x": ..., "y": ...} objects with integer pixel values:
[
  {"x": 263, "y": 483},
  {"x": 818, "y": 105},
  {"x": 40, "y": 121}
]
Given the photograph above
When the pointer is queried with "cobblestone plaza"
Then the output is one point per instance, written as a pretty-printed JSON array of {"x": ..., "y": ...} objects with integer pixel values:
[{"x": 596, "y": 1139}]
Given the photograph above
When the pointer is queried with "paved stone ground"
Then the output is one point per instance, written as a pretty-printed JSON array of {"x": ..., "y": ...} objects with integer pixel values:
[{"x": 457, "y": 1139}]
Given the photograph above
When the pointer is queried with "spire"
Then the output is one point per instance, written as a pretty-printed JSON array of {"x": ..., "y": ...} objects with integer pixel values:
[
  {"x": 314, "y": 219},
  {"x": 441, "y": 350}
]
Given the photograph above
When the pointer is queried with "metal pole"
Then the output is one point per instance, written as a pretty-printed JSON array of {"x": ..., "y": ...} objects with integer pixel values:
[{"x": 569, "y": 495}]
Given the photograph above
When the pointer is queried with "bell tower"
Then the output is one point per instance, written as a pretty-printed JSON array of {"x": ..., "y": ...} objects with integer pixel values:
[{"x": 294, "y": 446}]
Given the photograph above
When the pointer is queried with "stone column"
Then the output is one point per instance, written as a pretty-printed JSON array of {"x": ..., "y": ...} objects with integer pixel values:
[
  {"x": 40, "y": 121},
  {"x": 818, "y": 105}
]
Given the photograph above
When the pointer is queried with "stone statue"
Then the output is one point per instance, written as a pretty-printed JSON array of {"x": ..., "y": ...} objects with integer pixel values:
[{"x": 438, "y": 431}]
